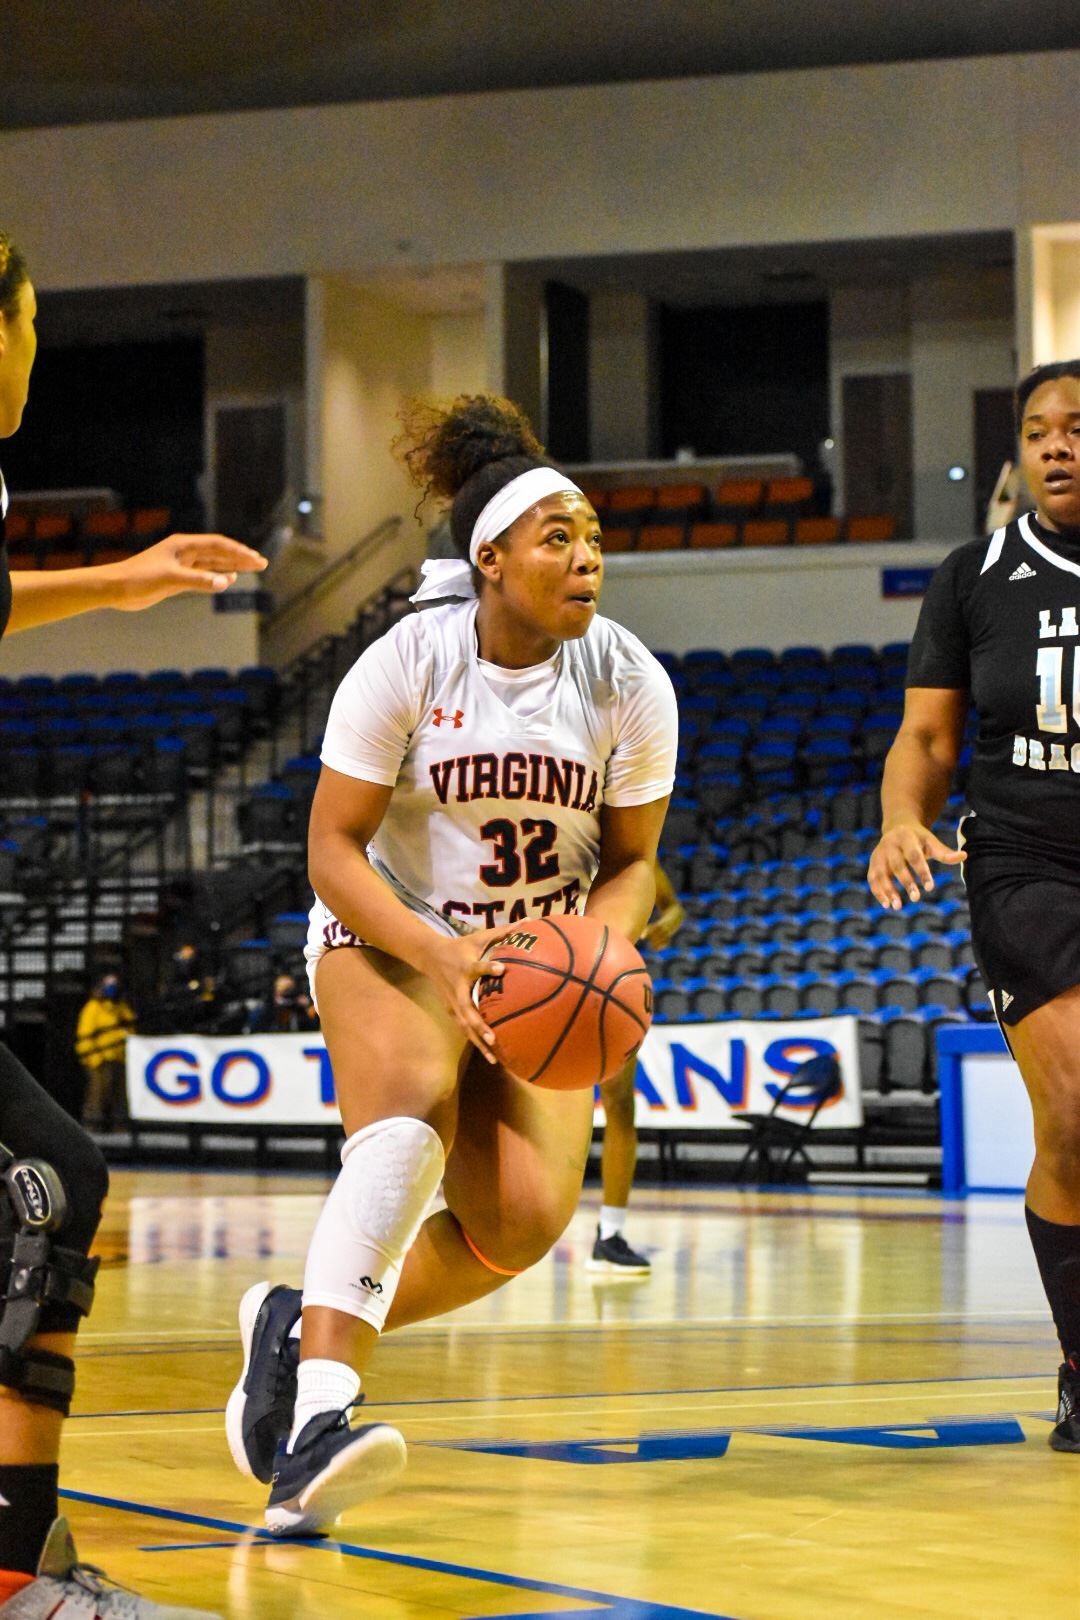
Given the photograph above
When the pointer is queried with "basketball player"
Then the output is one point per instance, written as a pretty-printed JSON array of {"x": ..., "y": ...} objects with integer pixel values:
[
  {"x": 53, "y": 1180},
  {"x": 1001, "y": 625},
  {"x": 493, "y": 759},
  {"x": 611, "y": 1255}
]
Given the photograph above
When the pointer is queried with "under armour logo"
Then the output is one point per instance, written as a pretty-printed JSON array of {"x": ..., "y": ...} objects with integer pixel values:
[
  {"x": 455, "y": 719},
  {"x": 371, "y": 1286}
]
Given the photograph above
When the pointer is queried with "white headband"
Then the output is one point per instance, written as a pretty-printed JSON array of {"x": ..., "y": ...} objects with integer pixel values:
[
  {"x": 516, "y": 497},
  {"x": 452, "y": 578}
]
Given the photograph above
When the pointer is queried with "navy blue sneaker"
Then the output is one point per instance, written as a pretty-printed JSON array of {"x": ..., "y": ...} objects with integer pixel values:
[
  {"x": 1065, "y": 1435},
  {"x": 332, "y": 1467},
  {"x": 613, "y": 1257},
  {"x": 259, "y": 1412}
]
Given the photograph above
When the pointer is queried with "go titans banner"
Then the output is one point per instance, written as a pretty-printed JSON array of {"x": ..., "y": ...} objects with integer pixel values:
[{"x": 689, "y": 1076}]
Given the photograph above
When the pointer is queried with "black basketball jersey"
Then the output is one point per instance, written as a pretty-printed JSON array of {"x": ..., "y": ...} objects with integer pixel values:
[{"x": 1001, "y": 619}]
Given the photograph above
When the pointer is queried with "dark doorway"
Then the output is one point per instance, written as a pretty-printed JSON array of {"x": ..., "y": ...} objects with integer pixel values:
[
  {"x": 566, "y": 428},
  {"x": 249, "y": 468},
  {"x": 126, "y": 416},
  {"x": 995, "y": 444},
  {"x": 745, "y": 381},
  {"x": 878, "y": 452}
]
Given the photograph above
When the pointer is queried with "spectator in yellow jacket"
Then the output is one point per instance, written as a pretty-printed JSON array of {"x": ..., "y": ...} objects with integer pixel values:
[{"x": 100, "y": 1045}]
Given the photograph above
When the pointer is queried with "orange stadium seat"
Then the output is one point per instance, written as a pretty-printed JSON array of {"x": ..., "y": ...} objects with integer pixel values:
[
  {"x": 871, "y": 528},
  {"x": 766, "y": 532},
  {"x": 679, "y": 497},
  {"x": 597, "y": 498},
  {"x": 63, "y": 559},
  {"x": 18, "y": 525},
  {"x": 788, "y": 491},
  {"x": 739, "y": 494},
  {"x": 150, "y": 520},
  {"x": 22, "y": 561},
  {"x": 817, "y": 531},
  {"x": 632, "y": 498},
  {"x": 105, "y": 525},
  {"x": 51, "y": 526},
  {"x": 711, "y": 536},
  {"x": 661, "y": 537},
  {"x": 618, "y": 540}
]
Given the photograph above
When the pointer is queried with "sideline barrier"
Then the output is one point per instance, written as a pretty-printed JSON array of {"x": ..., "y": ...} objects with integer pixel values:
[
  {"x": 987, "y": 1135},
  {"x": 690, "y": 1077}
]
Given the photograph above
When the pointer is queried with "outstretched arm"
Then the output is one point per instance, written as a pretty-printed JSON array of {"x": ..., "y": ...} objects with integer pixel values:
[
  {"x": 918, "y": 771},
  {"x": 183, "y": 562}
]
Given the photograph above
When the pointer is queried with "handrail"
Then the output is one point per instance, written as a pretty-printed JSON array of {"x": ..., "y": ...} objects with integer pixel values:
[{"x": 345, "y": 560}]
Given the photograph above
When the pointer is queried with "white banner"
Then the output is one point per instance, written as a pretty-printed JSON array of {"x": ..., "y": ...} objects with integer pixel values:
[{"x": 690, "y": 1076}]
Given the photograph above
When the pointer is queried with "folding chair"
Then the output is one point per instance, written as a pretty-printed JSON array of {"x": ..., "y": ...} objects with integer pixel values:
[{"x": 778, "y": 1143}]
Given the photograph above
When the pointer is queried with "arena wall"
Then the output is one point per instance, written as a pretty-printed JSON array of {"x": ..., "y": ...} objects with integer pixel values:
[
  {"x": 900, "y": 149},
  {"x": 680, "y": 600}
]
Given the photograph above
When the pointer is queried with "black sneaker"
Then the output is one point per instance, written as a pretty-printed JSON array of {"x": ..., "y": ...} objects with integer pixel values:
[
  {"x": 614, "y": 1257},
  {"x": 259, "y": 1412},
  {"x": 332, "y": 1467},
  {"x": 1065, "y": 1436}
]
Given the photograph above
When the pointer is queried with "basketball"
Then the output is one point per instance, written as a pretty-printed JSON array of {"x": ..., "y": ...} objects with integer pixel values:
[{"x": 573, "y": 1005}]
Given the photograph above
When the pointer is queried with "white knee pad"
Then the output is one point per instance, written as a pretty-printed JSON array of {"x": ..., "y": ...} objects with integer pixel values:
[{"x": 389, "y": 1173}]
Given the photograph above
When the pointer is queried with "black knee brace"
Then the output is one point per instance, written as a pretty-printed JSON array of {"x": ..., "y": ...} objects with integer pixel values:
[{"x": 38, "y": 1278}]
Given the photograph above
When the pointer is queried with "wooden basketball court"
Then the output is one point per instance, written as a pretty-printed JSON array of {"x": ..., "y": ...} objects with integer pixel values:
[{"x": 822, "y": 1405}]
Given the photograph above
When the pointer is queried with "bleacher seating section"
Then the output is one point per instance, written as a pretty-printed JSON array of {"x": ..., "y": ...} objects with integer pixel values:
[
  {"x": 738, "y": 512},
  {"x": 125, "y": 733},
  {"x": 61, "y": 539}
]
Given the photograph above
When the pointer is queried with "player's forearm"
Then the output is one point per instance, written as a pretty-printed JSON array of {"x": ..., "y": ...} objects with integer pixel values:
[
  {"x": 916, "y": 780},
  {"x": 345, "y": 881},
  {"x": 46, "y": 595},
  {"x": 624, "y": 897}
]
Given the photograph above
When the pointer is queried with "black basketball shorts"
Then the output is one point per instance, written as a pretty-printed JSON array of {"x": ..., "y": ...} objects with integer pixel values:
[{"x": 1025, "y": 919}]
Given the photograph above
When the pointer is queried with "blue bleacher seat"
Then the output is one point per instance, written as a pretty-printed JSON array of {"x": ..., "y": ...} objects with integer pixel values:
[
  {"x": 20, "y": 772},
  {"x": 165, "y": 766}
]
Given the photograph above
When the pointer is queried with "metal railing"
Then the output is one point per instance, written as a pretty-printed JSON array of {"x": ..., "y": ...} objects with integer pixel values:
[{"x": 338, "y": 567}]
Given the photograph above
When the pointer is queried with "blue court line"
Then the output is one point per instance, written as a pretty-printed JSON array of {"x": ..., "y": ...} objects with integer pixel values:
[
  {"x": 719, "y": 1389},
  {"x": 607, "y": 1395},
  {"x": 164, "y": 1411},
  {"x": 176, "y": 1349},
  {"x": 621, "y": 1607}
]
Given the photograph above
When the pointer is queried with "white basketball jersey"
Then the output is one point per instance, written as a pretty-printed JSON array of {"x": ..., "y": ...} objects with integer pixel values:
[{"x": 495, "y": 814}]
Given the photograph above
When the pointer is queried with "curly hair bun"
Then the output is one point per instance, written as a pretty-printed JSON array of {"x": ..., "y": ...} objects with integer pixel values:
[{"x": 444, "y": 446}]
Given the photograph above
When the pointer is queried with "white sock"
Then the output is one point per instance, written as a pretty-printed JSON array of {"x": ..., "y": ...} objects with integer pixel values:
[
  {"x": 322, "y": 1386},
  {"x": 612, "y": 1220}
]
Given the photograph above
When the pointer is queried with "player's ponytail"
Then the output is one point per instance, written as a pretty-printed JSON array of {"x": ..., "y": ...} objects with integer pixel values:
[{"x": 466, "y": 452}]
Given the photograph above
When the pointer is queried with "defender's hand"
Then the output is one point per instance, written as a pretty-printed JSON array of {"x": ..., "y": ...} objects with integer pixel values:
[
  {"x": 901, "y": 861},
  {"x": 182, "y": 562}
]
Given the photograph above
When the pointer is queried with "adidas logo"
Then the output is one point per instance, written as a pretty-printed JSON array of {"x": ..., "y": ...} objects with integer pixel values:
[
  {"x": 1006, "y": 1001},
  {"x": 1023, "y": 572}
]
